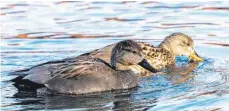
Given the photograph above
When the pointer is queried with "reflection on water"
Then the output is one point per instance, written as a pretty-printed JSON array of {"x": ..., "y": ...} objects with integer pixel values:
[
  {"x": 36, "y": 32},
  {"x": 120, "y": 99}
]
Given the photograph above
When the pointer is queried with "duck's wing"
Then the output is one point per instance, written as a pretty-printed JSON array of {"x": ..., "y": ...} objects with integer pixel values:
[
  {"x": 28, "y": 79},
  {"x": 42, "y": 68},
  {"x": 86, "y": 74},
  {"x": 83, "y": 65}
]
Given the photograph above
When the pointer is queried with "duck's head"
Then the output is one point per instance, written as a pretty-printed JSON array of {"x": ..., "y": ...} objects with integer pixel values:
[
  {"x": 180, "y": 45},
  {"x": 128, "y": 52}
]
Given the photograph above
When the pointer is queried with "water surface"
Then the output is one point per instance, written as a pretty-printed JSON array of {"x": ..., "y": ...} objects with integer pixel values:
[{"x": 36, "y": 32}]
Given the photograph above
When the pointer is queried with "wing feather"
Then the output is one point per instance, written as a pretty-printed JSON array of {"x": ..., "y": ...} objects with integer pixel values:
[{"x": 84, "y": 65}]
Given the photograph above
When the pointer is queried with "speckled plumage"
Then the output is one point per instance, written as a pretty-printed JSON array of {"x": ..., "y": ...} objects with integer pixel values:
[{"x": 158, "y": 57}]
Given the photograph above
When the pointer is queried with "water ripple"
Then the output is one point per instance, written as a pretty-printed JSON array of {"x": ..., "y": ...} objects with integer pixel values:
[{"x": 37, "y": 32}]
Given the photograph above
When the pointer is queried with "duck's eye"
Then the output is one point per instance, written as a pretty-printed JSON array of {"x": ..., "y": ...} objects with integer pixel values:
[
  {"x": 184, "y": 43},
  {"x": 134, "y": 52},
  {"x": 128, "y": 50}
]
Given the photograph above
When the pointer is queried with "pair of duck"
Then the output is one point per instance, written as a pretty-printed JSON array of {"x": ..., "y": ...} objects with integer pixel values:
[{"x": 91, "y": 72}]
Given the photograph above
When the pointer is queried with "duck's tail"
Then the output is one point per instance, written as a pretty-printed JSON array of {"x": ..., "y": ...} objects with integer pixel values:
[{"x": 24, "y": 84}]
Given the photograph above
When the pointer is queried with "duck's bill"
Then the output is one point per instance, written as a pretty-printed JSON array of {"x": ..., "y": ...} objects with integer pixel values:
[
  {"x": 195, "y": 57},
  {"x": 145, "y": 64}
]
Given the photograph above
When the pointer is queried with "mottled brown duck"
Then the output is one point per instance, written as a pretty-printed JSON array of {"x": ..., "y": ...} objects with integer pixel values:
[{"x": 163, "y": 56}]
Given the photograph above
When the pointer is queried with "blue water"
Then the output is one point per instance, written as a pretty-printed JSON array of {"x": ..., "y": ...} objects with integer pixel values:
[{"x": 36, "y": 32}]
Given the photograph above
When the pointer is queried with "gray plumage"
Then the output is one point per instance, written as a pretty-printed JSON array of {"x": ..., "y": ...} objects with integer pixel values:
[{"x": 86, "y": 74}]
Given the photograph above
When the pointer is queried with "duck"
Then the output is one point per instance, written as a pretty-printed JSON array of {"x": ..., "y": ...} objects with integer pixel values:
[
  {"x": 84, "y": 73},
  {"x": 160, "y": 57}
]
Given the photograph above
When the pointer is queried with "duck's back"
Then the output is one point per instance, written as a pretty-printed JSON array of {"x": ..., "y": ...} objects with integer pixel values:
[{"x": 158, "y": 57}]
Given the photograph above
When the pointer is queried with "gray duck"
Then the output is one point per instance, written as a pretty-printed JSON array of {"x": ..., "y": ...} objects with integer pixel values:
[{"x": 86, "y": 74}]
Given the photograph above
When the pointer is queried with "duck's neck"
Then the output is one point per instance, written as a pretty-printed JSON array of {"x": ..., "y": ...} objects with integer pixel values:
[{"x": 165, "y": 46}]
